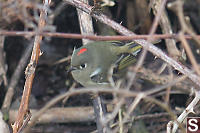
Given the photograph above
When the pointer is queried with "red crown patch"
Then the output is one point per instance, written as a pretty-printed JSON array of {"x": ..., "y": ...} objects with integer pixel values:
[{"x": 81, "y": 51}]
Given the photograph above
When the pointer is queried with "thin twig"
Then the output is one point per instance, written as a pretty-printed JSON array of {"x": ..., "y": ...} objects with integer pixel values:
[
  {"x": 166, "y": 29},
  {"x": 28, "y": 117},
  {"x": 121, "y": 92},
  {"x": 99, "y": 111},
  {"x": 85, "y": 22},
  {"x": 133, "y": 106},
  {"x": 3, "y": 65},
  {"x": 162, "y": 68},
  {"x": 93, "y": 37},
  {"x": 15, "y": 77},
  {"x": 117, "y": 107},
  {"x": 30, "y": 72},
  {"x": 144, "y": 52},
  {"x": 189, "y": 53},
  {"x": 188, "y": 110},
  {"x": 178, "y": 7},
  {"x": 167, "y": 96},
  {"x": 47, "y": 106}
]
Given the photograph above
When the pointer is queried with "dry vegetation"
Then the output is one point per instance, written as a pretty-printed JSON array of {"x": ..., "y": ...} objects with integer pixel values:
[{"x": 36, "y": 41}]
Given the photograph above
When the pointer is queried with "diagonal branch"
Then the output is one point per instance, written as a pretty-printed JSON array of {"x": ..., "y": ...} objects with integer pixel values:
[{"x": 149, "y": 46}]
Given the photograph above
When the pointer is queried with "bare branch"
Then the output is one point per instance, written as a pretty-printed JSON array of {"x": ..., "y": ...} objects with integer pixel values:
[
  {"x": 156, "y": 51},
  {"x": 30, "y": 72}
]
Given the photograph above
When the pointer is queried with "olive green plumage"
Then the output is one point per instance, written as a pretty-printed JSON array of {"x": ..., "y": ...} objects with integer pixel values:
[{"x": 91, "y": 63}]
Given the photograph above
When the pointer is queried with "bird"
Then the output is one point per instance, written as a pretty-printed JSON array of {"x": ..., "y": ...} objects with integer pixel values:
[{"x": 90, "y": 64}]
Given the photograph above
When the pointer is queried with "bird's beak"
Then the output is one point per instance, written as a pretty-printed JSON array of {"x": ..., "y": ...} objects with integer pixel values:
[{"x": 71, "y": 69}]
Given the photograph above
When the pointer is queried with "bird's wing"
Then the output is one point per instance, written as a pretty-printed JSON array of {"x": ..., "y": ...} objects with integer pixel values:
[
  {"x": 126, "y": 61},
  {"x": 117, "y": 43}
]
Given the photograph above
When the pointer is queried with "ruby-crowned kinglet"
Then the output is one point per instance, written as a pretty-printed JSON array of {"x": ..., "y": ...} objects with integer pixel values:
[{"x": 90, "y": 64}]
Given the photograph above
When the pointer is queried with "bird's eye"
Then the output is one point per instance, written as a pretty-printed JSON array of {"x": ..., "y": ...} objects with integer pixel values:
[{"x": 83, "y": 66}]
